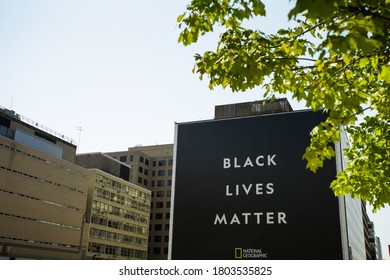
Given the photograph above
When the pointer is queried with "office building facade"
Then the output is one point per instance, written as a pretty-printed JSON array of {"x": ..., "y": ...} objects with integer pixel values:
[
  {"x": 152, "y": 169},
  {"x": 117, "y": 218},
  {"x": 43, "y": 194},
  {"x": 54, "y": 205}
]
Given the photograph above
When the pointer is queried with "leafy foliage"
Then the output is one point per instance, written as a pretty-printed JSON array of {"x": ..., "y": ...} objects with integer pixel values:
[{"x": 336, "y": 59}]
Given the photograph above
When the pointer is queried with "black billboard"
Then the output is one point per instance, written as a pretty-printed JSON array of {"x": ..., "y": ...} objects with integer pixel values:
[{"x": 242, "y": 191}]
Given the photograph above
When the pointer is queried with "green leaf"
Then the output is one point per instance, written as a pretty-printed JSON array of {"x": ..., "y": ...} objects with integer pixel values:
[
  {"x": 384, "y": 74},
  {"x": 363, "y": 62},
  {"x": 336, "y": 59}
]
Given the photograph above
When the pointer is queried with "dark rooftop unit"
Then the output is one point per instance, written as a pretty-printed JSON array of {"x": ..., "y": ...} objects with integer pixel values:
[{"x": 261, "y": 107}]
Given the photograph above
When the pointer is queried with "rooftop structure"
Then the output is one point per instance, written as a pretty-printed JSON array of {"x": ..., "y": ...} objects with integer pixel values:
[
  {"x": 252, "y": 108},
  {"x": 30, "y": 133}
]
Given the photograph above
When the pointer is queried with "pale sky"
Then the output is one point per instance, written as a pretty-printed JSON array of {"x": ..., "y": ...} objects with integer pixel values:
[{"x": 115, "y": 69}]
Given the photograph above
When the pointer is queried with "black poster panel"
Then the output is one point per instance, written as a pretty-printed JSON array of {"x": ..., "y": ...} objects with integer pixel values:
[{"x": 242, "y": 191}]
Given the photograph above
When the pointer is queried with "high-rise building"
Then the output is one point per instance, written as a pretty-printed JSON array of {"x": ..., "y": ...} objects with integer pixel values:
[
  {"x": 152, "y": 169},
  {"x": 117, "y": 218},
  {"x": 43, "y": 194},
  {"x": 375, "y": 246}
]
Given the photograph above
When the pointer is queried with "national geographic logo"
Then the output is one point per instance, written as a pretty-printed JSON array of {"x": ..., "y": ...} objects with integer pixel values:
[{"x": 240, "y": 253}]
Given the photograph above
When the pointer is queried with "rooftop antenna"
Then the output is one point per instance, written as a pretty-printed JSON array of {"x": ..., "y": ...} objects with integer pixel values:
[{"x": 80, "y": 129}]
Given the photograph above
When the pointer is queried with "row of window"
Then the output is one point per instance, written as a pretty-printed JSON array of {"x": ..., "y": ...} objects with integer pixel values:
[
  {"x": 161, "y": 162},
  {"x": 41, "y": 200},
  {"x": 160, "y": 204},
  {"x": 39, "y": 221},
  {"x": 160, "y": 227},
  {"x": 161, "y": 193},
  {"x": 146, "y": 162},
  {"x": 120, "y": 199},
  {"x": 160, "y": 216},
  {"x": 158, "y": 251},
  {"x": 108, "y": 222},
  {"x": 33, "y": 242},
  {"x": 42, "y": 180},
  {"x": 116, "y": 251},
  {"x": 160, "y": 172},
  {"x": 116, "y": 237},
  {"x": 160, "y": 183},
  {"x": 160, "y": 239},
  {"x": 105, "y": 208},
  {"x": 108, "y": 183},
  {"x": 64, "y": 168}
]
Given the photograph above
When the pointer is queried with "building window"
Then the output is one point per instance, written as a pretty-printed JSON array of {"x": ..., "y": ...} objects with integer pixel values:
[
  {"x": 146, "y": 161},
  {"x": 160, "y": 183},
  {"x": 131, "y": 157},
  {"x": 165, "y": 250},
  {"x": 169, "y": 193},
  {"x": 126, "y": 252},
  {"x": 156, "y": 250},
  {"x": 140, "y": 169},
  {"x": 140, "y": 180},
  {"x": 170, "y": 162},
  {"x": 229, "y": 111},
  {"x": 141, "y": 159},
  {"x": 157, "y": 238},
  {"x": 123, "y": 158},
  {"x": 160, "y": 194},
  {"x": 167, "y": 216},
  {"x": 168, "y": 203},
  {"x": 145, "y": 182},
  {"x": 146, "y": 172},
  {"x": 159, "y": 204},
  {"x": 158, "y": 227},
  {"x": 167, "y": 227},
  {"x": 169, "y": 183},
  {"x": 114, "y": 224},
  {"x": 110, "y": 250},
  {"x": 99, "y": 220},
  {"x": 170, "y": 172},
  {"x": 161, "y": 173},
  {"x": 95, "y": 247},
  {"x": 159, "y": 216},
  {"x": 162, "y": 162}
]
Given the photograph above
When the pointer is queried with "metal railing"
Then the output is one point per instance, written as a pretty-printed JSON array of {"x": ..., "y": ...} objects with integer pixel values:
[{"x": 37, "y": 125}]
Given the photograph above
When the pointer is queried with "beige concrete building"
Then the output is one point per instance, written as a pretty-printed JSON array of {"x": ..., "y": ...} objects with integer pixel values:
[
  {"x": 43, "y": 194},
  {"x": 51, "y": 208},
  {"x": 152, "y": 169},
  {"x": 117, "y": 218}
]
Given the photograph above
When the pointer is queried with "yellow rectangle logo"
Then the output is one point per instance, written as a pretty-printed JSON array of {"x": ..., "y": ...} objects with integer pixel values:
[{"x": 238, "y": 253}]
